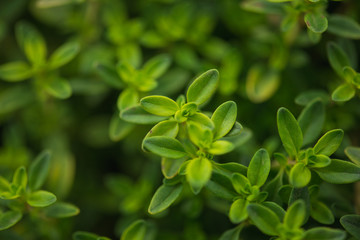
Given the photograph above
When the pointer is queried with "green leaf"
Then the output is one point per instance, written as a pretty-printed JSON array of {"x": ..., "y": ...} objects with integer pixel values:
[
  {"x": 41, "y": 198},
  {"x": 279, "y": 211},
  {"x": 238, "y": 211},
  {"x": 220, "y": 185},
  {"x": 138, "y": 115},
  {"x": 61, "y": 210},
  {"x": 119, "y": 128},
  {"x": 15, "y": 71},
  {"x": 241, "y": 183},
  {"x": 198, "y": 173},
  {"x": 311, "y": 120},
  {"x": 170, "y": 167},
  {"x": 109, "y": 75},
  {"x": 273, "y": 186},
  {"x": 319, "y": 161},
  {"x": 127, "y": 98},
  {"x": 324, "y": 233},
  {"x": 343, "y": 93},
  {"x": 351, "y": 223},
  {"x": 221, "y": 147},
  {"x": 203, "y": 87},
  {"x": 259, "y": 168},
  {"x": 9, "y": 219},
  {"x": 164, "y": 197},
  {"x": 165, "y": 146},
  {"x": 344, "y": 26},
  {"x": 80, "y": 235},
  {"x": 321, "y": 213},
  {"x": 339, "y": 172},
  {"x": 201, "y": 137},
  {"x": 167, "y": 128},
  {"x": 64, "y": 54},
  {"x": 295, "y": 215},
  {"x": 38, "y": 170},
  {"x": 232, "y": 234},
  {"x": 300, "y": 175},
  {"x": 263, "y": 218},
  {"x": 224, "y": 118},
  {"x": 31, "y": 41},
  {"x": 261, "y": 83},
  {"x": 353, "y": 153},
  {"x": 202, "y": 120},
  {"x": 20, "y": 178},
  {"x": 157, "y": 66},
  {"x": 337, "y": 57},
  {"x": 316, "y": 22},
  {"x": 136, "y": 231},
  {"x": 159, "y": 105},
  {"x": 329, "y": 142},
  {"x": 58, "y": 87},
  {"x": 289, "y": 131},
  {"x": 306, "y": 97},
  {"x": 126, "y": 71},
  {"x": 15, "y": 98}
]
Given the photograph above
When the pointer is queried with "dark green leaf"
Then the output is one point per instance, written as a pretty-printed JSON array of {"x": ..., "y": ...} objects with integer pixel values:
[
  {"x": 344, "y": 26},
  {"x": 353, "y": 154},
  {"x": 41, "y": 198},
  {"x": 61, "y": 210},
  {"x": 263, "y": 218},
  {"x": 337, "y": 58},
  {"x": 340, "y": 172},
  {"x": 351, "y": 223},
  {"x": 324, "y": 233},
  {"x": 9, "y": 219},
  {"x": 321, "y": 213},
  {"x": 311, "y": 120},
  {"x": 232, "y": 234}
]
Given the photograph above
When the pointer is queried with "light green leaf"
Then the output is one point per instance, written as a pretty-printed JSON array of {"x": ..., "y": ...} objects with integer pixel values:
[
  {"x": 164, "y": 197},
  {"x": 238, "y": 211},
  {"x": 353, "y": 153},
  {"x": 259, "y": 168},
  {"x": 61, "y": 210},
  {"x": 289, "y": 131},
  {"x": 324, "y": 233},
  {"x": 167, "y": 128},
  {"x": 41, "y": 199},
  {"x": 202, "y": 120},
  {"x": 58, "y": 87},
  {"x": 263, "y": 218},
  {"x": 300, "y": 175},
  {"x": 170, "y": 167},
  {"x": 337, "y": 57},
  {"x": 201, "y": 137},
  {"x": 39, "y": 169},
  {"x": 203, "y": 87},
  {"x": 316, "y": 22},
  {"x": 344, "y": 26},
  {"x": 64, "y": 54},
  {"x": 15, "y": 71},
  {"x": 198, "y": 173},
  {"x": 136, "y": 231},
  {"x": 329, "y": 142},
  {"x": 126, "y": 71},
  {"x": 240, "y": 183},
  {"x": 221, "y": 147},
  {"x": 340, "y": 172},
  {"x": 138, "y": 115},
  {"x": 321, "y": 213},
  {"x": 318, "y": 161},
  {"x": 9, "y": 219},
  {"x": 295, "y": 215},
  {"x": 224, "y": 118},
  {"x": 311, "y": 120},
  {"x": 20, "y": 178},
  {"x": 157, "y": 66},
  {"x": 159, "y": 105},
  {"x": 31, "y": 41},
  {"x": 343, "y": 93},
  {"x": 165, "y": 146},
  {"x": 127, "y": 98},
  {"x": 278, "y": 210}
]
